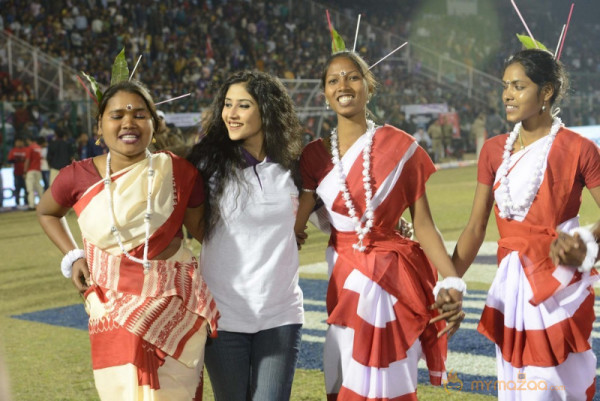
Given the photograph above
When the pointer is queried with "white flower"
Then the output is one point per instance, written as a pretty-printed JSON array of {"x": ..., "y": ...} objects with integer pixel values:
[
  {"x": 335, "y": 159},
  {"x": 505, "y": 202}
]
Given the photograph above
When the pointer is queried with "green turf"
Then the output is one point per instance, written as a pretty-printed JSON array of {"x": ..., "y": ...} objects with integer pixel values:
[{"x": 53, "y": 363}]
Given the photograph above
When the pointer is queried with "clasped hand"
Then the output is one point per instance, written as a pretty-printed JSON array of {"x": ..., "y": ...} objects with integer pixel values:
[
  {"x": 449, "y": 304},
  {"x": 568, "y": 250}
]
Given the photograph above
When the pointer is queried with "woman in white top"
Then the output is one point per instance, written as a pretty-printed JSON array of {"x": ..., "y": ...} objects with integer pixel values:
[{"x": 251, "y": 140}]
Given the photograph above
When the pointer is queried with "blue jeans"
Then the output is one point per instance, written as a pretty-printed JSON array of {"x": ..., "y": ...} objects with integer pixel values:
[{"x": 253, "y": 366}]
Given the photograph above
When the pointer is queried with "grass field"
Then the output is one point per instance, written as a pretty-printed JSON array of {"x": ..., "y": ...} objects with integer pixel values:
[{"x": 53, "y": 363}]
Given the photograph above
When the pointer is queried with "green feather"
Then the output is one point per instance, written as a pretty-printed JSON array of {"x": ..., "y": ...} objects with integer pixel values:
[
  {"x": 337, "y": 44},
  {"x": 95, "y": 87},
  {"x": 120, "y": 71},
  {"x": 528, "y": 42}
]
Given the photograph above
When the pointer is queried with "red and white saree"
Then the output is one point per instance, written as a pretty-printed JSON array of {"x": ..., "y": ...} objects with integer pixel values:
[
  {"x": 147, "y": 331},
  {"x": 377, "y": 301},
  {"x": 540, "y": 315}
]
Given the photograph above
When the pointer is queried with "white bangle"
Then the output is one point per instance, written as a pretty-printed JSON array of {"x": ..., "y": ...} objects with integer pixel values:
[
  {"x": 592, "y": 248},
  {"x": 455, "y": 283},
  {"x": 66, "y": 264}
]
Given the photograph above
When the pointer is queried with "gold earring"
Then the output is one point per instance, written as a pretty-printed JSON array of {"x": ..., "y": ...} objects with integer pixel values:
[
  {"x": 327, "y": 105},
  {"x": 98, "y": 141},
  {"x": 153, "y": 140}
]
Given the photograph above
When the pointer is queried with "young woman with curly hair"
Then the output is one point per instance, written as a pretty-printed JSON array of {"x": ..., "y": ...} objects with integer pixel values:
[{"x": 251, "y": 140}]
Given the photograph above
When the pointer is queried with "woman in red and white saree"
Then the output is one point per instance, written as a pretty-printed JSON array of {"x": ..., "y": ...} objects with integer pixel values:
[
  {"x": 538, "y": 314},
  {"x": 150, "y": 310},
  {"x": 381, "y": 283}
]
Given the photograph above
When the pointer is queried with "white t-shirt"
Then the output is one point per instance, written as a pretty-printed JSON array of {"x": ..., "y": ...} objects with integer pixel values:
[{"x": 250, "y": 261}]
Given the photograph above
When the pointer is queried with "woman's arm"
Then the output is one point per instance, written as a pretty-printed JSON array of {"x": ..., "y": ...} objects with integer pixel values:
[
  {"x": 193, "y": 220},
  {"x": 430, "y": 238},
  {"x": 449, "y": 302},
  {"x": 306, "y": 203},
  {"x": 472, "y": 237},
  {"x": 51, "y": 218}
]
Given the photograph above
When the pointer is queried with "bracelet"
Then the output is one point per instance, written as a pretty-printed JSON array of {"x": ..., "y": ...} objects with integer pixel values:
[
  {"x": 455, "y": 283},
  {"x": 70, "y": 257},
  {"x": 592, "y": 248}
]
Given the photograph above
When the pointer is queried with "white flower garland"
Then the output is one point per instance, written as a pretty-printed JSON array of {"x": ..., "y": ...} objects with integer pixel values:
[
  {"x": 147, "y": 216},
  {"x": 506, "y": 205},
  {"x": 361, "y": 231}
]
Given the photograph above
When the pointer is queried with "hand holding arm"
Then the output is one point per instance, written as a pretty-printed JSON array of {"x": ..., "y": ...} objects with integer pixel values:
[
  {"x": 306, "y": 203},
  {"x": 568, "y": 250}
]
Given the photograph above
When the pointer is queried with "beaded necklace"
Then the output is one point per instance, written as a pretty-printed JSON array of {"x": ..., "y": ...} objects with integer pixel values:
[
  {"x": 115, "y": 231},
  {"x": 361, "y": 231},
  {"x": 507, "y": 206}
]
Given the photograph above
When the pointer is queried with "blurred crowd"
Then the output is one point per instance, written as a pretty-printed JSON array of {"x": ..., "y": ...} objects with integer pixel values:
[{"x": 189, "y": 45}]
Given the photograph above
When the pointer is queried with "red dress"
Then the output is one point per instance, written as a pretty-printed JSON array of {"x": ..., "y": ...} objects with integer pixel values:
[
  {"x": 540, "y": 315},
  {"x": 377, "y": 301}
]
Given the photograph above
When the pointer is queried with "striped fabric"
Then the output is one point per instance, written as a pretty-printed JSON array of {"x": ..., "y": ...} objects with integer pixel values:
[
  {"x": 378, "y": 300},
  {"x": 540, "y": 315},
  {"x": 142, "y": 324},
  {"x": 172, "y": 305}
]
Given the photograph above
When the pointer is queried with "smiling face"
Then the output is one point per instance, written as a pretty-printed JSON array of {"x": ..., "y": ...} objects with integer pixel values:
[
  {"x": 521, "y": 96},
  {"x": 345, "y": 88},
  {"x": 126, "y": 126},
  {"x": 242, "y": 118}
]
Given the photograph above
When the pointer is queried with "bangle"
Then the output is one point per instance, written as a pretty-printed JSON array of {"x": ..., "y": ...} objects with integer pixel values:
[
  {"x": 592, "y": 248},
  {"x": 70, "y": 257},
  {"x": 455, "y": 283}
]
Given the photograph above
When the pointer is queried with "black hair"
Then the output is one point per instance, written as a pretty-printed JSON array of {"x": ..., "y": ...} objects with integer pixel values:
[
  {"x": 220, "y": 159},
  {"x": 131, "y": 86},
  {"x": 543, "y": 69}
]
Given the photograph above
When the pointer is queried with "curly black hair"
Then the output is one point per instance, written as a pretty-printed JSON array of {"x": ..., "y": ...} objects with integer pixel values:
[{"x": 220, "y": 159}]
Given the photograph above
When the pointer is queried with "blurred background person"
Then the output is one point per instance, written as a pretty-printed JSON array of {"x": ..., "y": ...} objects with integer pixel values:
[
  {"x": 33, "y": 172},
  {"x": 60, "y": 153},
  {"x": 17, "y": 156}
]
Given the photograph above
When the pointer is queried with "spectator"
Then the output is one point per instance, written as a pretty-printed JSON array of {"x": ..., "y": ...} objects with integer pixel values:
[
  {"x": 46, "y": 131},
  {"x": 83, "y": 146},
  {"x": 437, "y": 140},
  {"x": 33, "y": 172},
  {"x": 17, "y": 156},
  {"x": 60, "y": 154},
  {"x": 43, "y": 144},
  {"x": 423, "y": 139},
  {"x": 478, "y": 132}
]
